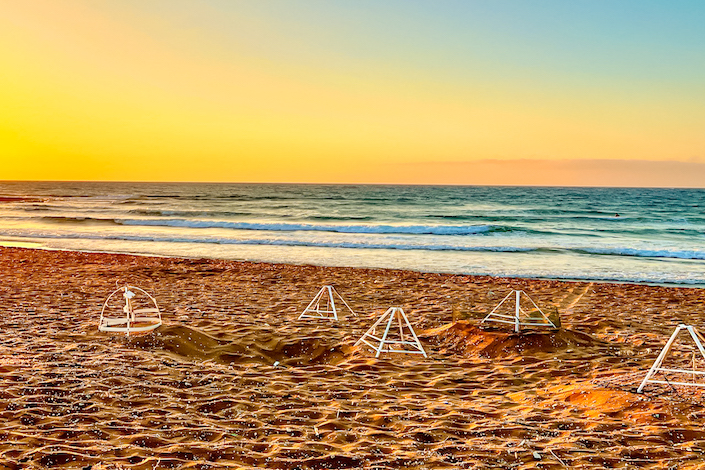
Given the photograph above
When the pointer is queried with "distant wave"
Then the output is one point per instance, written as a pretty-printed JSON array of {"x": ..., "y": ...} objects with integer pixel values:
[
  {"x": 264, "y": 241},
  {"x": 288, "y": 227},
  {"x": 674, "y": 254},
  {"x": 480, "y": 229},
  {"x": 595, "y": 251},
  {"x": 665, "y": 280},
  {"x": 20, "y": 199},
  {"x": 199, "y": 197},
  {"x": 217, "y": 213},
  {"x": 60, "y": 219},
  {"x": 189, "y": 213}
]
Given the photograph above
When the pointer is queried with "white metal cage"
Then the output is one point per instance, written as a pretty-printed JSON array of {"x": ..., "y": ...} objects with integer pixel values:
[
  {"x": 519, "y": 317},
  {"x": 323, "y": 305},
  {"x": 140, "y": 312},
  {"x": 657, "y": 367},
  {"x": 398, "y": 339}
]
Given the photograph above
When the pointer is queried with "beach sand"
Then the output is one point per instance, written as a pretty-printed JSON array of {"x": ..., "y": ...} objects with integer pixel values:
[{"x": 202, "y": 390}]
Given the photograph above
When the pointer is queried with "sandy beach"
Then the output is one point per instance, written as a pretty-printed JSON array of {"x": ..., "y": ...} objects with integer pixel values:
[{"x": 202, "y": 391}]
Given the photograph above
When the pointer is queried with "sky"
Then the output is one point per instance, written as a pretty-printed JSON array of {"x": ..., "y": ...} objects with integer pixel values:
[{"x": 542, "y": 92}]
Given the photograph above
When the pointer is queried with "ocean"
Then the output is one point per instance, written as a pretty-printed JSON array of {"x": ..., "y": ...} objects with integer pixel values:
[{"x": 602, "y": 234}]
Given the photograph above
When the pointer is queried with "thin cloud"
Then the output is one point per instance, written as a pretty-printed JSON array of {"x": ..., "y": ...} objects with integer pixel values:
[{"x": 545, "y": 172}]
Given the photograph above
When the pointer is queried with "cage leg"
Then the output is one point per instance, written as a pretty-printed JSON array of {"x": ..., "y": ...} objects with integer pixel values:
[
  {"x": 386, "y": 332},
  {"x": 413, "y": 333},
  {"x": 660, "y": 358},
  {"x": 517, "y": 311},
  {"x": 331, "y": 303}
]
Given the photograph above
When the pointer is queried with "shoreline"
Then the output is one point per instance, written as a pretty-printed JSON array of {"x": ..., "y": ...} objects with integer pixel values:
[
  {"x": 25, "y": 245},
  {"x": 233, "y": 379}
]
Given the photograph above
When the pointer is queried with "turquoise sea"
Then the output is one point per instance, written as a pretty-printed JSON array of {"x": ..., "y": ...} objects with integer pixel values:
[{"x": 627, "y": 235}]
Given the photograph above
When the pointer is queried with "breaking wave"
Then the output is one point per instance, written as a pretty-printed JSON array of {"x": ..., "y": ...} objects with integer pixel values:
[
  {"x": 378, "y": 244},
  {"x": 289, "y": 227}
]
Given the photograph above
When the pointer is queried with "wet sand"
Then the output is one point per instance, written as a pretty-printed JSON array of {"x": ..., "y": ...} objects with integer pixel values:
[{"x": 202, "y": 390}]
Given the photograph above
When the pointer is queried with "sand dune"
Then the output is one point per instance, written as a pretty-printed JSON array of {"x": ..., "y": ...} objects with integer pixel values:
[
  {"x": 469, "y": 339},
  {"x": 203, "y": 390},
  {"x": 252, "y": 345}
]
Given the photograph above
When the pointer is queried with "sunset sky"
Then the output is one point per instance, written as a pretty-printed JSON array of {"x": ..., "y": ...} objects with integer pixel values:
[{"x": 357, "y": 91}]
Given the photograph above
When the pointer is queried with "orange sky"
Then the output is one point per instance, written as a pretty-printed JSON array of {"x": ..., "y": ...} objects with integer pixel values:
[{"x": 235, "y": 91}]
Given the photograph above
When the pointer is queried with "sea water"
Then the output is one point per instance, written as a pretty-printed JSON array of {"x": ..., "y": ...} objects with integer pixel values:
[{"x": 610, "y": 234}]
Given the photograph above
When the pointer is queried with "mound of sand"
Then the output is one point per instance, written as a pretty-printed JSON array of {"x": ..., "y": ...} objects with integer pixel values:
[
  {"x": 469, "y": 340},
  {"x": 255, "y": 347}
]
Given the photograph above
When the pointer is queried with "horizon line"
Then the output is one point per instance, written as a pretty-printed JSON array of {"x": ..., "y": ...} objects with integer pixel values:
[{"x": 355, "y": 184}]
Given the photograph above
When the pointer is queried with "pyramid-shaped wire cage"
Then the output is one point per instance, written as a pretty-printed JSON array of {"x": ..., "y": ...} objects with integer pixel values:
[
  {"x": 392, "y": 333},
  {"x": 679, "y": 363},
  {"x": 323, "y": 305},
  {"x": 523, "y": 314}
]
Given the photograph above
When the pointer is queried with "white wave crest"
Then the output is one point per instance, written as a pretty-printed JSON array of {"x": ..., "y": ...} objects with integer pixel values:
[{"x": 371, "y": 229}]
